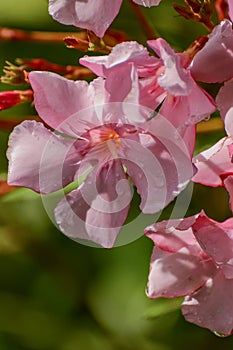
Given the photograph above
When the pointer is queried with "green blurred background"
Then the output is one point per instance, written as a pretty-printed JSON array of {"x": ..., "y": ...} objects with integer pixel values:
[{"x": 56, "y": 294}]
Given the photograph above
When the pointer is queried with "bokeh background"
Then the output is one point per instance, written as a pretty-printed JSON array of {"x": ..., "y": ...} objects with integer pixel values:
[{"x": 56, "y": 294}]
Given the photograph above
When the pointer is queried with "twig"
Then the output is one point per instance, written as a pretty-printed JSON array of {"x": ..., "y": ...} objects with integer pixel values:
[{"x": 150, "y": 32}]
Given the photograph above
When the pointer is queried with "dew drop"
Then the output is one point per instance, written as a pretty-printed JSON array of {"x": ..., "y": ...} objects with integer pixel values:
[
  {"x": 220, "y": 335},
  {"x": 175, "y": 193},
  {"x": 207, "y": 118},
  {"x": 177, "y": 136}
]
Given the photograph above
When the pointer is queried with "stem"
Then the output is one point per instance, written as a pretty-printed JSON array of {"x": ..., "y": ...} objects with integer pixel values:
[
  {"x": 111, "y": 37},
  {"x": 149, "y": 31},
  {"x": 18, "y": 34}
]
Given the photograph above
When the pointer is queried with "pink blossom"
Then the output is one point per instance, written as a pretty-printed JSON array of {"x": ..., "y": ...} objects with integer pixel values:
[
  {"x": 214, "y": 62},
  {"x": 214, "y": 165},
  {"x": 225, "y": 105},
  {"x": 215, "y": 168},
  {"x": 230, "y": 4},
  {"x": 102, "y": 130},
  {"x": 95, "y": 15},
  {"x": 165, "y": 80},
  {"x": 193, "y": 257}
]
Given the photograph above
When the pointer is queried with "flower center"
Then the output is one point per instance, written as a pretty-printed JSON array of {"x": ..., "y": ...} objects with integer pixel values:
[{"x": 103, "y": 134}]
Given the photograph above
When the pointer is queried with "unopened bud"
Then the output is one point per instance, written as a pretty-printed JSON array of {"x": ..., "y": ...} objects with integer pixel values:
[
  {"x": 185, "y": 12},
  {"x": 40, "y": 64},
  {"x": 206, "y": 10},
  {"x": 195, "y": 5},
  {"x": 222, "y": 8},
  {"x": 76, "y": 43},
  {"x": 113, "y": 37},
  {"x": 92, "y": 43},
  {"x": 13, "y": 98}
]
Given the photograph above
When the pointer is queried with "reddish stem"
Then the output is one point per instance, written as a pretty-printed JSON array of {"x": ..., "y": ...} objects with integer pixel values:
[
  {"x": 149, "y": 31},
  {"x": 18, "y": 34}
]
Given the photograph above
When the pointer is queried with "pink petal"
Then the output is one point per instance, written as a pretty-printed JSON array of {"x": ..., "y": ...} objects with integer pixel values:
[
  {"x": 39, "y": 159},
  {"x": 95, "y": 15},
  {"x": 147, "y": 3},
  {"x": 211, "y": 307},
  {"x": 230, "y": 4},
  {"x": 225, "y": 105},
  {"x": 98, "y": 209},
  {"x": 161, "y": 171},
  {"x": 188, "y": 110},
  {"x": 151, "y": 93},
  {"x": 119, "y": 84},
  {"x": 173, "y": 235},
  {"x": 228, "y": 183},
  {"x": 61, "y": 103},
  {"x": 213, "y": 63},
  {"x": 177, "y": 274},
  {"x": 99, "y": 95},
  {"x": 215, "y": 238},
  {"x": 116, "y": 98},
  {"x": 122, "y": 53},
  {"x": 213, "y": 164},
  {"x": 175, "y": 79},
  {"x": 185, "y": 111}
]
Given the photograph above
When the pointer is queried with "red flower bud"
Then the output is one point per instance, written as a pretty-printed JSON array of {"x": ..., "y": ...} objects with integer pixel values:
[{"x": 12, "y": 98}]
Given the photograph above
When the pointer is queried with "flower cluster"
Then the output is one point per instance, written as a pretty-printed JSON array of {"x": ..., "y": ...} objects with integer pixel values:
[{"x": 134, "y": 125}]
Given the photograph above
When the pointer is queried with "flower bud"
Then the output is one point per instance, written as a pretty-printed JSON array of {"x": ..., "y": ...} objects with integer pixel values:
[{"x": 12, "y": 98}]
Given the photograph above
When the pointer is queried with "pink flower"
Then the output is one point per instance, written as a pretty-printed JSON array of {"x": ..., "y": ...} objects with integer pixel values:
[
  {"x": 193, "y": 257},
  {"x": 230, "y": 4},
  {"x": 95, "y": 15},
  {"x": 165, "y": 80},
  {"x": 214, "y": 165},
  {"x": 214, "y": 63},
  {"x": 225, "y": 105},
  {"x": 102, "y": 131}
]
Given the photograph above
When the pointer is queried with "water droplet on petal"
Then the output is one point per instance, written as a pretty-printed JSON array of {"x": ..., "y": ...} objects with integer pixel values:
[
  {"x": 221, "y": 335},
  {"x": 207, "y": 118}
]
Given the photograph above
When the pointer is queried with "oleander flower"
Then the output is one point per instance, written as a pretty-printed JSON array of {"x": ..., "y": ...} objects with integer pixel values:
[
  {"x": 230, "y": 4},
  {"x": 165, "y": 81},
  {"x": 94, "y": 15},
  {"x": 214, "y": 62},
  {"x": 214, "y": 165},
  {"x": 193, "y": 257},
  {"x": 101, "y": 132}
]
